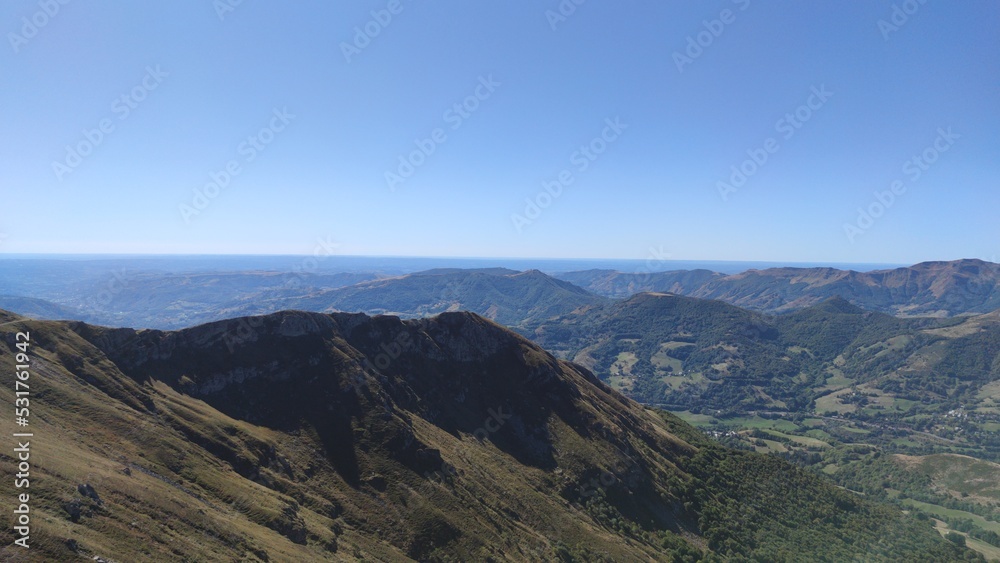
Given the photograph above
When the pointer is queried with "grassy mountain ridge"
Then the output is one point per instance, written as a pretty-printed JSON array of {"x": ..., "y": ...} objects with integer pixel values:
[
  {"x": 926, "y": 289},
  {"x": 347, "y": 437}
]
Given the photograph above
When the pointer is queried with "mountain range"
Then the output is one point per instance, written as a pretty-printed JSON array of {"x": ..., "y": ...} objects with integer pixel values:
[
  {"x": 522, "y": 300},
  {"x": 925, "y": 289},
  {"x": 304, "y": 436},
  {"x": 689, "y": 353}
]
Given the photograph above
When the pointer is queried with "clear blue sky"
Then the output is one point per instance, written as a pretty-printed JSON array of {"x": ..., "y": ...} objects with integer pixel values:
[{"x": 198, "y": 85}]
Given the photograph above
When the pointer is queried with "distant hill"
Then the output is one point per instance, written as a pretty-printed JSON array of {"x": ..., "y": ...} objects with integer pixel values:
[
  {"x": 926, "y": 289},
  {"x": 39, "y": 308},
  {"x": 152, "y": 299},
  {"x": 341, "y": 437},
  {"x": 619, "y": 285},
  {"x": 172, "y": 301},
  {"x": 514, "y": 299}
]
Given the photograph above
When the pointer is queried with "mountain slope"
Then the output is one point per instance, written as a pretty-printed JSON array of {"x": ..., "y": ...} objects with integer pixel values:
[
  {"x": 686, "y": 353},
  {"x": 674, "y": 350},
  {"x": 303, "y": 436}
]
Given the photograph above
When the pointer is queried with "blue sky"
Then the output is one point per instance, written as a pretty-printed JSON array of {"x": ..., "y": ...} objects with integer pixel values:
[{"x": 646, "y": 110}]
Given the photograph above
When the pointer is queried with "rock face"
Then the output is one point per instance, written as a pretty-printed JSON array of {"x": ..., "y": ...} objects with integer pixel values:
[
  {"x": 85, "y": 489},
  {"x": 309, "y": 437}
]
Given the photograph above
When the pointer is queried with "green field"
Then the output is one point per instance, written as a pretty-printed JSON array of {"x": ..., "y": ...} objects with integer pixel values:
[
  {"x": 624, "y": 363},
  {"x": 831, "y": 403},
  {"x": 837, "y": 380},
  {"x": 936, "y": 510},
  {"x": 820, "y": 435},
  {"x": 991, "y": 553},
  {"x": 756, "y": 422},
  {"x": 990, "y": 391},
  {"x": 663, "y": 361},
  {"x": 620, "y": 383},
  {"x": 678, "y": 381},
  {"x": 771, "y": 447},
  {"x": 801, "y": 440}
]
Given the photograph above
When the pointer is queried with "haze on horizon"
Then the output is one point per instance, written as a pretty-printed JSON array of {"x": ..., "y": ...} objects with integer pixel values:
[{"x": 717, "y": 130}]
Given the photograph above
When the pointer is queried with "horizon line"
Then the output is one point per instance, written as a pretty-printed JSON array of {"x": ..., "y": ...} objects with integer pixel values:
[
  {"x": 437, "y": 257},
  {"x": 43, "y": 255}
]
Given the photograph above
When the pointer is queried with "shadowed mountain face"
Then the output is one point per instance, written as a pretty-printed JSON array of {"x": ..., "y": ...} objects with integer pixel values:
[
  {"x": 926, "y": 289},
  {"x": 306, "y": 437}
]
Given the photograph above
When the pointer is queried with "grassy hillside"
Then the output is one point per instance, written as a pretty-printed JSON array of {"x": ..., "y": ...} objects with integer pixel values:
[{"x": 343, "y": 437}]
